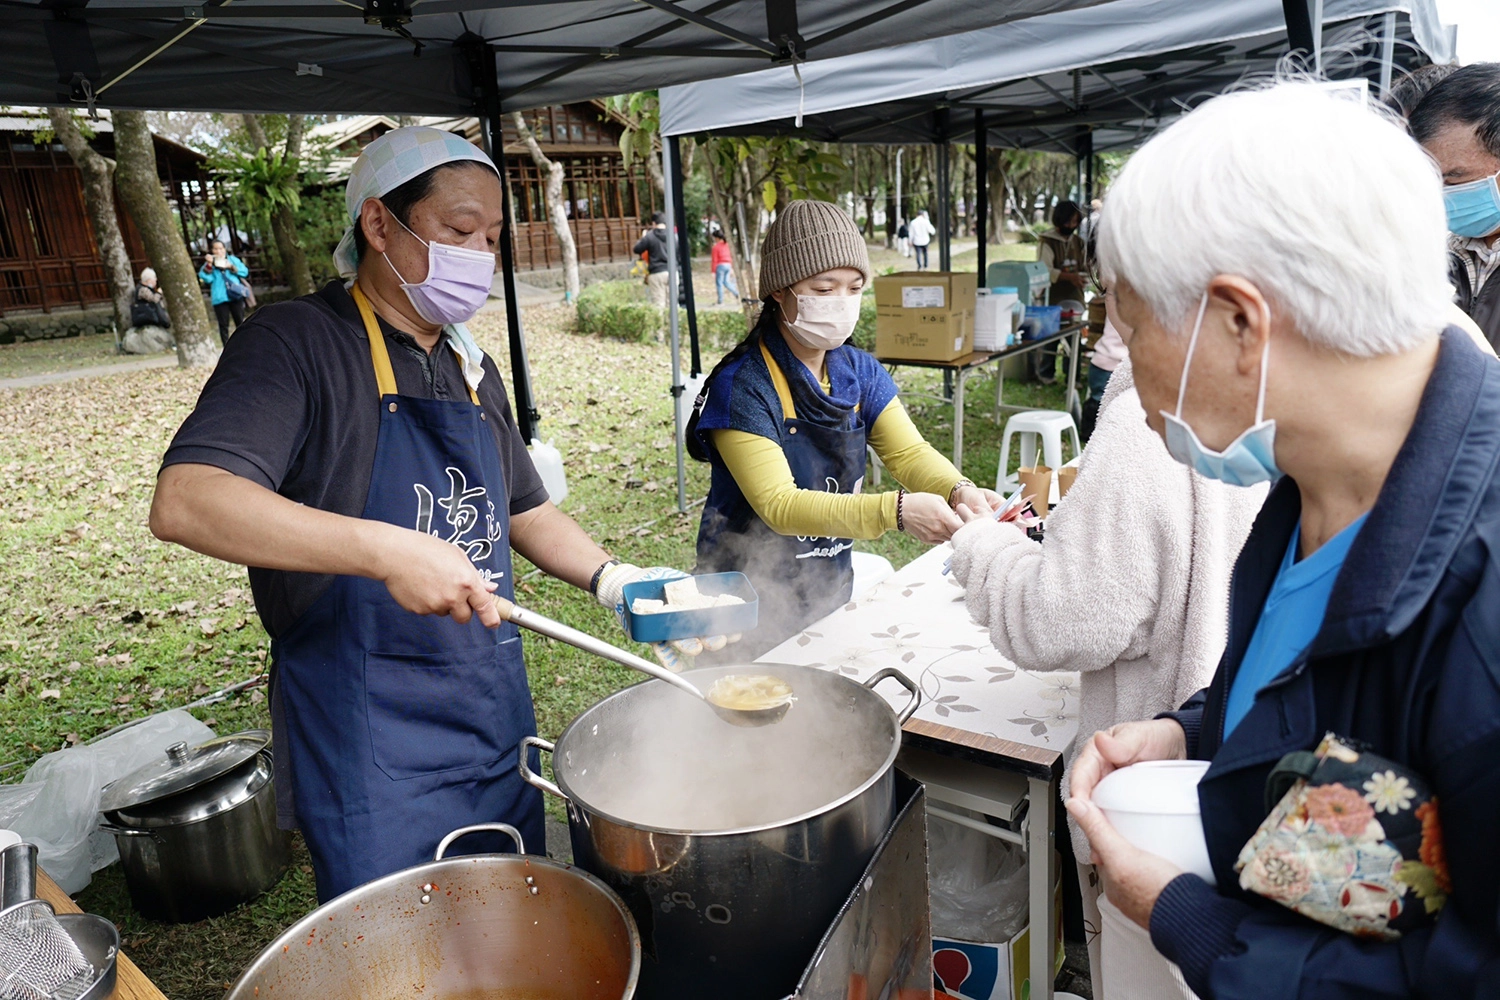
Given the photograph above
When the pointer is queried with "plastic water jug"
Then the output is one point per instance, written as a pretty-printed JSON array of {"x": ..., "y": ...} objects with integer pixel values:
[
  {"x": 549, "y": 465},
  {"x": 692, "y": 385}
]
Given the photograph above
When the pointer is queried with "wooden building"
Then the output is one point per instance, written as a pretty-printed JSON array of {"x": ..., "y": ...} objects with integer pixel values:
[
  {"x": 607, "y": 204},
  {"x": 49, "y": 258}
]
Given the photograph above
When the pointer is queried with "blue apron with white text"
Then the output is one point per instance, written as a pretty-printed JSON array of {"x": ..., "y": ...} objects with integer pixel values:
[
  {"x": 402, "y": 727},
  {"x": 798, "y": 579}
]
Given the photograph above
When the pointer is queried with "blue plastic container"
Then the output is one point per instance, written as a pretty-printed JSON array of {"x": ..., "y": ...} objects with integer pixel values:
[
  {"x": 669, "y": 625},
  {"x": 1050, "y": 318}
]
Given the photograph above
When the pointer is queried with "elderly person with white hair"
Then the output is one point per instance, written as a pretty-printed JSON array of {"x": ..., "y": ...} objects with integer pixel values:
[
  {"x": 148, "y": 307},
  {"x": 1293, "y": 330}
]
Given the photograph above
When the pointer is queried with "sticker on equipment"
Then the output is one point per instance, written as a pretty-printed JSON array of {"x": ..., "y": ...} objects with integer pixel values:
[{"x": 922, "y": 297}]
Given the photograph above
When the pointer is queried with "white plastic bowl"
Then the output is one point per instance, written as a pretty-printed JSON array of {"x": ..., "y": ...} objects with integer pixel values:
[{"x": 1154, "y": 805}]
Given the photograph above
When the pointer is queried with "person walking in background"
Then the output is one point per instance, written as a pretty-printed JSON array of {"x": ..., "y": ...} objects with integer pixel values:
[
  {"x": 148, "y": 308},
  {"x": 921, "y": 232},
  {"x": 223, "y": 273},
  {"x": 1458, "y": 123},
  {"x": 903, "y": 240},
  {"x": 723, "y": 264},
  {"x": 653, "y": 243}
]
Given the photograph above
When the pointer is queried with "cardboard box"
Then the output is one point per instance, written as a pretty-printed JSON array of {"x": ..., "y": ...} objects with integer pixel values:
[
  {"x": 1000, "y": 971},
  {"x": 924, "y": 315}
]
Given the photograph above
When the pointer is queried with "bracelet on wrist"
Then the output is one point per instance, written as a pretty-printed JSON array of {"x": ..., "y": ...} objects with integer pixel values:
[
  {"x": 594, "y": 581},
  {"x": 900, "y": 519},
  {"x": 958, "y": 486}
]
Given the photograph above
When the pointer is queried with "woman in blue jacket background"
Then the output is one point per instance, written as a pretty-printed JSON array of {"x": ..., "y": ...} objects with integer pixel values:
[
  {"x": 1280, "y": 257},
  {"x": 225, "y": 275}
]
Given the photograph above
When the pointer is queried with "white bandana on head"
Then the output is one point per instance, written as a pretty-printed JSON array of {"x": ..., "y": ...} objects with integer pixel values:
[{"x": 384, "y": 165}]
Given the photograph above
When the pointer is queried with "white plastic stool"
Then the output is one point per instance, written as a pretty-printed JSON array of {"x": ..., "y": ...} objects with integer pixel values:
[
  {"x": 1046, "y": 426},
  {"x": 870, "y": 570}
]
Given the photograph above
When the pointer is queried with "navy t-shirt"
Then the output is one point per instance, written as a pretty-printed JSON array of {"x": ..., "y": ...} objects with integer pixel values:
[{"x": 293, "y": 406}]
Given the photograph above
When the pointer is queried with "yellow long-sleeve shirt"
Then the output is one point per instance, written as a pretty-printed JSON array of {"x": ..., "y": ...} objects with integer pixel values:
[{"x": 761, "y": 471}]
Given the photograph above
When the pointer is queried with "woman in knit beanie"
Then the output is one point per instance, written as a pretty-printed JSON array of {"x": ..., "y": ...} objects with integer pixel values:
[{"x": 785, "y": 420}]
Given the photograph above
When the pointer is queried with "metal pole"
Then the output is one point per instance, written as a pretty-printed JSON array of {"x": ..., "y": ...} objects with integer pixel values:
[
  {"x": 1387, "y": 52},
  {"x": 670, "y": 195},
  {"x": 1299, "y": 31},
  {"x": 685, "y": 254},
  {"x": 1317, "y": 33},
  {"x": 945, "y": 261},
  {"x": 982, "y": 192},
  {"x": 1088, "y": 179},
  {"x": 522, "y": 398},
  {"x": 900, "y": 215}
]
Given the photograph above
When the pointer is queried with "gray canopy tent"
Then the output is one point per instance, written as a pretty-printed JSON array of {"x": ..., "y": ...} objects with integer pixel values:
[
  {"x": 1079, "y": 82},
  {"x": 482, "y": 57}
]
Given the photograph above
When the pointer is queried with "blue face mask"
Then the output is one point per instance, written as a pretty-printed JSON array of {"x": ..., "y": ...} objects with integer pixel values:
[
  {"x": 1473, "y": 208},
  {"x": 1250, "y": 458}
]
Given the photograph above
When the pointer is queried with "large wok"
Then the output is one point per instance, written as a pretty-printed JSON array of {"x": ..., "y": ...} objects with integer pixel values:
[{"x": 476, "y": 927}]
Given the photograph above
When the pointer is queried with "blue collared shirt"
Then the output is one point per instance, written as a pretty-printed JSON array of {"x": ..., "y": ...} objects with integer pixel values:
[{"x": 1292, "y": 615}]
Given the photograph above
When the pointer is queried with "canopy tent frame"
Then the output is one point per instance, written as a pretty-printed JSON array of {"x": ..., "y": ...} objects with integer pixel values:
[{"x": 1073, "y": 125}]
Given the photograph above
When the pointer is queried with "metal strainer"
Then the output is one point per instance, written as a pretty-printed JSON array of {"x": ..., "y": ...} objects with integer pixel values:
[{"x": 38, "y": 960}]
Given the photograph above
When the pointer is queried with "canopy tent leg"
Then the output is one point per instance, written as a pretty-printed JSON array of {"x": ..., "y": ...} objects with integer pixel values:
[
  {"x": 1387, "y": 52},
  {"x": 671, "y": 194},
  {"x": 685, "y": 254},
  {"x": 1088, "y": 173},
  {"x": 522, "y": 399},
  {"x": 981, "y": 192},
  {"x": 1298, "y": 15},
  {"x": 945, "y": 256}
]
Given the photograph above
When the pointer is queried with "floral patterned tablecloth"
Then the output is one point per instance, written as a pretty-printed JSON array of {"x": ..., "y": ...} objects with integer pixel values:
[{"x": 916, "y": 620}]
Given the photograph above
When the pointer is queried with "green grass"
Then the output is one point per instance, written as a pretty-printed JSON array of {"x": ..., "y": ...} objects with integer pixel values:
[
  {"x": 100, "y": 623},
  {"x": 44, "y": 356}
]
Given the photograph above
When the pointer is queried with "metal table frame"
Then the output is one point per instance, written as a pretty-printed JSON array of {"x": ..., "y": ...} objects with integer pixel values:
[
  {"x": 1012, "y": 782},
  {"x": 960, "y": 368}
]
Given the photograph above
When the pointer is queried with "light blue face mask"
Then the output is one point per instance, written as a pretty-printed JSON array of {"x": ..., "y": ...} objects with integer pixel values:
[
  {"x": 1473, "y": 208},
  {"x": 1250, "y": 458}
]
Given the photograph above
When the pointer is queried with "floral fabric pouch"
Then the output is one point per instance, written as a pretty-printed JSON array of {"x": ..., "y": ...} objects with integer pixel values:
[{"x": 1352, "y": 841}]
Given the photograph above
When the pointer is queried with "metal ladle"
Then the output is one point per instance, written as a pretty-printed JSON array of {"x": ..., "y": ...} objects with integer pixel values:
[{"x": 541, "y": 624}]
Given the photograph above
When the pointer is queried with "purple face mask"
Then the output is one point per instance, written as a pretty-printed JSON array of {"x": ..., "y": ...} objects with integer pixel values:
[{"x": 457, "y": 283}]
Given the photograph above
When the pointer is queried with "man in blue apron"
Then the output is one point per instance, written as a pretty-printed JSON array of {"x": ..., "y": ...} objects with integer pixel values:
[{"x": 356, "y": 449}]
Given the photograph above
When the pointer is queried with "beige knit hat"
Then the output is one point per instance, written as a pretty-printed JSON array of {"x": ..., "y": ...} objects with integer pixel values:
[{"x": 808, "y": 238}]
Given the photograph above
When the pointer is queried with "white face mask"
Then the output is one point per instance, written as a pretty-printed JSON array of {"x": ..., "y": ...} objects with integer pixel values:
[{"x": 824, "y": 322}]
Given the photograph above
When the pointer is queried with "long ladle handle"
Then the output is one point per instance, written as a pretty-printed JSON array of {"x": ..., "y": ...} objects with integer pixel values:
[{"x": 543, "y": 625}]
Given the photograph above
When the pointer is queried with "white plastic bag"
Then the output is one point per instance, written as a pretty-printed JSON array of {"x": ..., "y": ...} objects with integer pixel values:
[
  {"x": 979, "y": 883},
  {"x": 56, "y": 806}
]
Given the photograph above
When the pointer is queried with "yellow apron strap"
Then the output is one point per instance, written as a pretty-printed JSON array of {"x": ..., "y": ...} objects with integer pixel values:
[
  {"x": 778, "y": 379},
  {"x": 385, "y": 378}
]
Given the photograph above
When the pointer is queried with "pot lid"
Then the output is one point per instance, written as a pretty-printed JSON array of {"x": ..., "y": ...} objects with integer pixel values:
[
  {"x": 183, "y": 767},
  {"x": 1153, "y": 787}
]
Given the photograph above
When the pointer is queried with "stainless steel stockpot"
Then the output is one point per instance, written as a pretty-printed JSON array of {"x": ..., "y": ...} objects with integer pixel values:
[
  {"x": 197, "y": 829},
  {"x": 734, "y": 847}
]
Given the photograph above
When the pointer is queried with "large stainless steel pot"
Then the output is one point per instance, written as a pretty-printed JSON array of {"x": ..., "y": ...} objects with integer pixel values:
[
  {"x": 734, "y": 847},
  {"x": 197, "y": 829},
  {"x": 477, "y": 927}
]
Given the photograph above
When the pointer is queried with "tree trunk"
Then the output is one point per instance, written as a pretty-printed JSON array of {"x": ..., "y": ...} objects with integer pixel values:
[
  {"x": 283, "y": 220},
  {"x": 99, "y": 201},
  {"x": 555, "y": 173},
  {"x": 141, "y": 190},
  {"x": 743, "y": 274}
]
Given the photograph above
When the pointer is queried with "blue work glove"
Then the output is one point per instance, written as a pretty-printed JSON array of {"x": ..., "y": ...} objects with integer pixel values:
[{"x": 676, "y": 655}]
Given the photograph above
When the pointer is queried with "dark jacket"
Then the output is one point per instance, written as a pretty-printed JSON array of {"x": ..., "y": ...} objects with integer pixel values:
[
  {"x": 1408, "y": 661},
  {"x": 1483, "y": 307},
  {"x": 653, "y": 243}
]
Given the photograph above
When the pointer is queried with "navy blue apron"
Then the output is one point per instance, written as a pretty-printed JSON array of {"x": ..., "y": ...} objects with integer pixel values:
[
  {"x": 798, "y": 579},
  {"x": 403, "y": 727}
]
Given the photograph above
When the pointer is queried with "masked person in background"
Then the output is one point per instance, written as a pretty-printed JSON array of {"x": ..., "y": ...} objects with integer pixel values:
[
  {"x": 356, "y": 449},
  {"x": 784, "y": 420},
  {"x": 1458, "y": 123}
]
